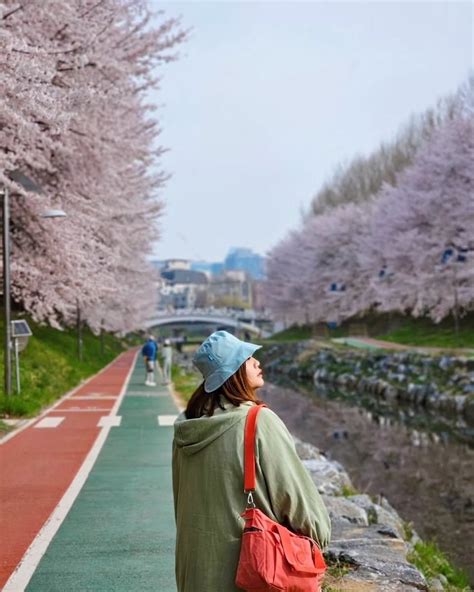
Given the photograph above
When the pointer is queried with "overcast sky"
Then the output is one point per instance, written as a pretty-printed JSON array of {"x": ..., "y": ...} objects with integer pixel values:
[{"x": 269, "y": 97}]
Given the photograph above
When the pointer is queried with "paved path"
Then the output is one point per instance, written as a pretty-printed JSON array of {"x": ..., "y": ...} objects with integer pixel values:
[
  {"x": 90, "y": 500},
  {"x": 370, "y": 343}
]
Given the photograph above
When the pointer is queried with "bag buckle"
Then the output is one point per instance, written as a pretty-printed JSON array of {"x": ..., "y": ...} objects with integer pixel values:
[{"x": 250, "y": 502}]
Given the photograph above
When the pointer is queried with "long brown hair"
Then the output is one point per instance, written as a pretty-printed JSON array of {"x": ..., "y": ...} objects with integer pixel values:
[{"x": 235, "y": 390}]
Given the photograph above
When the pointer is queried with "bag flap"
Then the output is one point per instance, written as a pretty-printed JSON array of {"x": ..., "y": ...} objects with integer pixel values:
[{"x": 299, "y": 552}]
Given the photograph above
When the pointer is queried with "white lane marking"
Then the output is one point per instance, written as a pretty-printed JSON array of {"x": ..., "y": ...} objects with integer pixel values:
[
  {"x": 65, "y": 397},
  {"x": 30, "y": 560},
  {"x": 109, "y": 421},
  {"x": 49, "y": 422},
  {"x": 95, "y": 397},
  {"x": 85, "y": 410},
  {"x": 166, "y": 420}
]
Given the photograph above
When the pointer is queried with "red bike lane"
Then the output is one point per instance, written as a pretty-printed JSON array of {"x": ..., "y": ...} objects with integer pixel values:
[{"x": 39, "y": 463}]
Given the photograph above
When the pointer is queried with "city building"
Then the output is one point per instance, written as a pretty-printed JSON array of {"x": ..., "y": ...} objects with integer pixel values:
[
  {"x": 243, "y": 259},
  {"x": 230, "y": 289},
  {"x": 233, "y": 283},
  {"x": 208, "y": 267},
  {"x": 170, "y": 264},
  {"x": 182, "y": 288},
  {"x": 176, "y": 263}
]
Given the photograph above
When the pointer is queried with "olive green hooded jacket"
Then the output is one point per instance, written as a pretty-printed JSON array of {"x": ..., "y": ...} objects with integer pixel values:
[{"x": 209, "y": 497}]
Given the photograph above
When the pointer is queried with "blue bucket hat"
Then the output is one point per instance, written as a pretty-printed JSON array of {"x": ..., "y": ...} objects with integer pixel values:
[{"x": 220, "y": 356}]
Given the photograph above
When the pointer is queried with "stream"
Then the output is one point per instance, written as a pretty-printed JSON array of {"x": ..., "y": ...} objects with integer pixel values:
[{"x": 426, "y": 474}]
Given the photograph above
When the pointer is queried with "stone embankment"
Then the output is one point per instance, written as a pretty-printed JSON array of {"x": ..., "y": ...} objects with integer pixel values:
[
  {"x": 370, "y": 543},
  {"x": 441, "y": 384}
]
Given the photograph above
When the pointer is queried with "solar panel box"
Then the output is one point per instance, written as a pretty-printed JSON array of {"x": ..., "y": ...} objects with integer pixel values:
[{"x": 21, "y": 332}]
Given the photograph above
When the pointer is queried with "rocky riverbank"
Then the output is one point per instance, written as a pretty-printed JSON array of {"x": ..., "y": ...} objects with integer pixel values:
[
  {"x": 370, "y": 543},
  {"x": 442, "y": 385}
]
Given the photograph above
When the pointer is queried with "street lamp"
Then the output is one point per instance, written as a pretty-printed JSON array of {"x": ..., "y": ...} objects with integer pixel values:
[{"x": 29, "y": 185}]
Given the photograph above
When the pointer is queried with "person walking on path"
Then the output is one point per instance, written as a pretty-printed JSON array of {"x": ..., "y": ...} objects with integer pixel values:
[
  {"x": 208, "y": 469},
  {"x": 167, "y": 352},
  {"x": 150, "y": 353}
]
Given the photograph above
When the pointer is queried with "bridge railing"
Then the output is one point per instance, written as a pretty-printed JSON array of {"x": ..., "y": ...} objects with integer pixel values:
[{"x": 247, "y": 314}]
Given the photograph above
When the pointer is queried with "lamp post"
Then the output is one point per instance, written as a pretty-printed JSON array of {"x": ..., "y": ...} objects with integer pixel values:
[
  {"x": 79, "y": 330},
  {"x": 29, "y": 185}
]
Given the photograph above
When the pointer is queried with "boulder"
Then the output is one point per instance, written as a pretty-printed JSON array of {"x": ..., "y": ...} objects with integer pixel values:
[
  {"x": 375, "y": 558},
  {"x": 445, "y": 363},
  {"x": 329, "y": 476},
  {"x": 378, "y": 514},
  {"x": 469, "y": 411},
  {"x": 307, "y": 451},
  {"x": 342, "y": 508}
]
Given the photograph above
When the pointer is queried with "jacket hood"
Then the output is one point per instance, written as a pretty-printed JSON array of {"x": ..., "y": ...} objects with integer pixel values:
[{"x": 192, "y": 435}]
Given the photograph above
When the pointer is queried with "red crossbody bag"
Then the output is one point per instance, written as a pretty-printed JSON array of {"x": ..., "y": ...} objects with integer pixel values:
[{"x": 272, "y": 558}]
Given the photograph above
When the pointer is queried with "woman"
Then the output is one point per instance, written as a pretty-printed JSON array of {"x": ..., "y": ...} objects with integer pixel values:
[{"x": 208, "y": 469}]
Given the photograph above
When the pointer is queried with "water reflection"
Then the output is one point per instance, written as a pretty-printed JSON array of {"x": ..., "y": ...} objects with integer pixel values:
[
  {"x": 427, "y": 474},
  {"x": 444, "y": 426}
]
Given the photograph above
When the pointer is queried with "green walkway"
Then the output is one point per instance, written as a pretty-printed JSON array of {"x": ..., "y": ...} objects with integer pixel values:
[
  {"x": 355, "y": 342},
  {"x": 119, "y": 535}
]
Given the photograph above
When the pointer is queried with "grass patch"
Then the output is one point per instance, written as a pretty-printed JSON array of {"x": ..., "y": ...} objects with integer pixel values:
[
  {"x": 185, "y": 383},
  {"x": 334, "y": 575},
  {"x": 348, "y": 490},
  {"x": 423, "y": 332},
  {"x": 395, "y": 328},
  {"x": 293, "y": 333},
  {"x": 49, "y": 367},
  {"x": 5, "y": 428},
  {"x": 408, "y": 531},
  {"x": 432, "y": 562},
  {"x": 338, "y": 570},
  {"x": 300, "y": 333}
]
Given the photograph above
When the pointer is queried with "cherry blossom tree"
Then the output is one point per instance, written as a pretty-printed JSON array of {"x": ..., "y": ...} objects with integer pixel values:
[
  {"x": 422, "y": 231},
  {"x": 362, "y": 178},
  {"x": 411, "y": 249},
  {"x": 74, "y": 117},
  {"x": 285, "y": 289},
  {"x": 338, "y": 279},
  {"x": 315, "y": 274}
]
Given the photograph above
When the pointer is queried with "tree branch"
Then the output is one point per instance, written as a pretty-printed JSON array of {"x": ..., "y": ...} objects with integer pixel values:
[{"x": 12, "y": 11}]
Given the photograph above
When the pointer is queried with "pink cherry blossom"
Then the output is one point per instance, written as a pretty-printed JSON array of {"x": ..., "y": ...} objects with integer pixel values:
[{"x": 74, "y": 117}]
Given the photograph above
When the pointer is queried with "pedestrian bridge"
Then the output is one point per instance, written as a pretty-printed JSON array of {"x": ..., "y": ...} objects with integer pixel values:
[{"x": 219, "y": 320}]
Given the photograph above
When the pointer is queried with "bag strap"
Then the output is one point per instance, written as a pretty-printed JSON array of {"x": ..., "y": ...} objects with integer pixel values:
[{"x": 249, "y": 448}]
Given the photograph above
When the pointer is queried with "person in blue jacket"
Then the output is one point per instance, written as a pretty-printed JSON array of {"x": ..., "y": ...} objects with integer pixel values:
[{"x": 149, "y": 353}]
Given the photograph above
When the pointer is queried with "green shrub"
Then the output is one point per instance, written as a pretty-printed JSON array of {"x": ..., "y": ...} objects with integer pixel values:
[
  {"x": 432, "y": 562},
  {"x": 185, "y": 383}
]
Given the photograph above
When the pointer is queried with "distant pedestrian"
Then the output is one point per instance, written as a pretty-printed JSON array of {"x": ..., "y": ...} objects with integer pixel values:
[
  {"x": 149, "y": 353},
  {"x": 167, "y": 352}
]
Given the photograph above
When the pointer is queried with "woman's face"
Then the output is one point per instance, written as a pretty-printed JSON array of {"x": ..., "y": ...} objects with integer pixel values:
[{"x": 254, "y": 373}]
